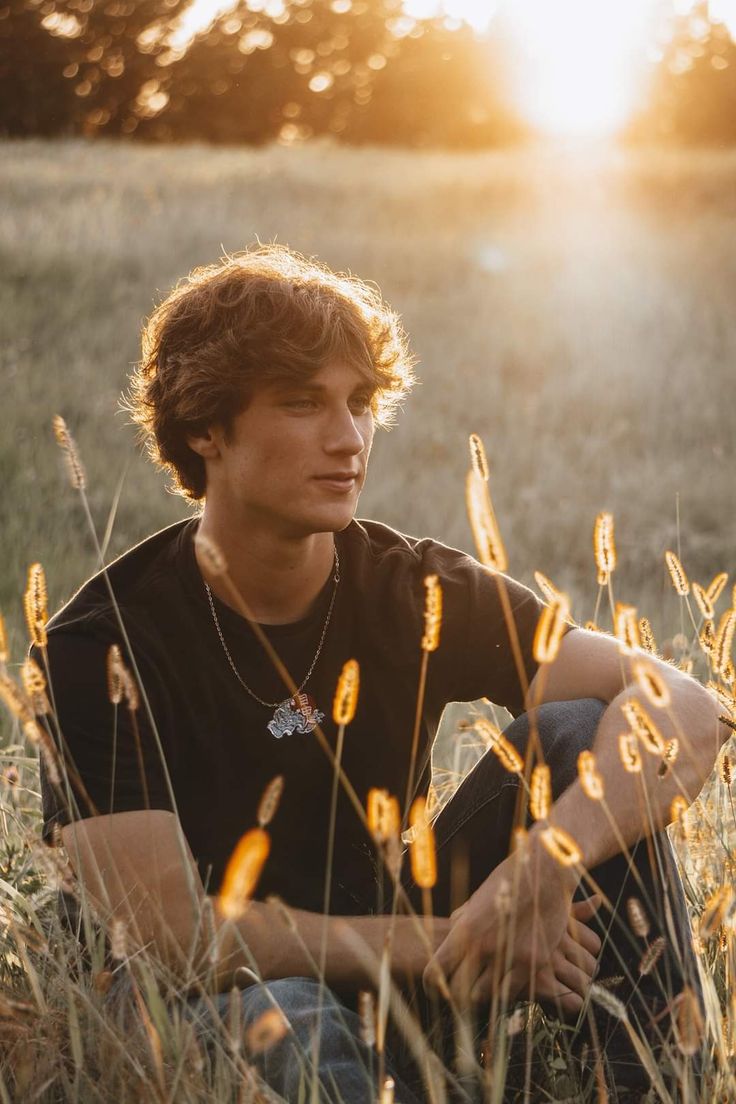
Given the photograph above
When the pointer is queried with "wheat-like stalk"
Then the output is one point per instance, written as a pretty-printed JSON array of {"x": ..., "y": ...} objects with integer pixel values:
[
  {"x": 4, "y": 646},
  {"x": 346, "y": 694},
  {"x": 547, "y": 587},
  {"x": 243, "y": 871},
  {"x": 628, "y": 750},
  {"x": 652, "y": 955},
  {"x": 270, "y": 800},
  {"x": 550, "y": 629},
  {"x": 679, "y": 579},
  {"x": 212, "y": 558},
  {"x": 383, "y": 815},
  {"x": 501, "y": 747},
  {"x": 483, "y": 523},
  {"x": 638, "y": 919},
  {"x": 715, "y": 911},
  {"x": 715, "y": 587},
  {"x": 626, "y": 626},
  {"x": 561, "y": 846},
  {"x": 432, "y": 614},
  {"x": 591, "y": 780},
  {"x": 540, "y": 792},
  {"x": 266, "y": 1031},
  {"x": 724, "y": 642},
  {"x": 652, "y": 684},
  {"x": 35, "y": 605},
  {"x": 71, "y": 454},
  {"x": 115, "y": 669},
  {"x": 688, "y": 1022},
  {"x": 604, "y": 547},
  {"x": 422, "y": 846},
  {"x": 703, "y": 602},
  {"x": 646, "y": 636},
  {"x": 643, "y": 726},
  {"x": 478, "y": 458}
]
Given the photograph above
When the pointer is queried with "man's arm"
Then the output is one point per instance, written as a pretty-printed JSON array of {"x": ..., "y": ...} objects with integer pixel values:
[
  {"x": 588, "y": 665},
  {"x": 137, "y": 868}
]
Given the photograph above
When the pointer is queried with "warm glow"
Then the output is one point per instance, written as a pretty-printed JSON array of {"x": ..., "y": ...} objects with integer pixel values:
[{"x": 579, "y": 64}]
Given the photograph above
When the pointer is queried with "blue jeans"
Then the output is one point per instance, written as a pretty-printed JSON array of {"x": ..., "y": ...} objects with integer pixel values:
[{"x": 474, "y": 830}]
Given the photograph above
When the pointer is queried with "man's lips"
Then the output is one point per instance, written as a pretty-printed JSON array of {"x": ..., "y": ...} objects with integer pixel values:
[{"x": 341, "y": 481}]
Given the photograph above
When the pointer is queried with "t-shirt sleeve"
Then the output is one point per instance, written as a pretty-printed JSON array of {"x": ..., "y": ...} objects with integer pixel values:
[
  {"x": 487, "y": 636},
  {"x": 108, "y": 754}
]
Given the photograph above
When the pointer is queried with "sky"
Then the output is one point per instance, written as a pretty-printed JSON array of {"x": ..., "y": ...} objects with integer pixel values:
[{"x": 566, "y": 88}]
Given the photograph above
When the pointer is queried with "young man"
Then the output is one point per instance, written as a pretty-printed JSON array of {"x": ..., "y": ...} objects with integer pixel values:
[{"x": 261, "y": 384}]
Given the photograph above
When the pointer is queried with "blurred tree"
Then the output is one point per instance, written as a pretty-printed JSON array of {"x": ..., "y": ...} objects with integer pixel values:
[
  {"x": 692, "y": 97},
  {"x": 34, "y": 96}
]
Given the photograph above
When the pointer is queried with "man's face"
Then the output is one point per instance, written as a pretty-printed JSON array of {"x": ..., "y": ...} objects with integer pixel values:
[{"x": 295, "y": 459}]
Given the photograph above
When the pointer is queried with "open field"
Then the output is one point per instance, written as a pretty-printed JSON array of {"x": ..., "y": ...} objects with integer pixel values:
[{"x": 573, "y": 308}]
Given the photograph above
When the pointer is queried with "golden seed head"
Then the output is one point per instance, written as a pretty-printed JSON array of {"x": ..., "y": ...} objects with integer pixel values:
[
  {"x": 643, "y": 726},
  {"x": 432, "y": 614},
  {"x": 346, "y": 694},
  {"x": 628, "y": 749},
  {"x": 551, "y": 628},
  {"x": 540, "y": 792},
  {"x": 265, "y": 1031},
  {"x": 646, "y": 636},
  {"x": 34, "y": 685},
  {"x": 707, "y": 638},
  {"x": 561, "y": 846},
  {"x": 35, "y": 605},
  {"x": 118, "y": 940},
  {"x": 501, "y": 747},
  {"x": 4, "y": 647},
  {"x": 15, "y": 699},
  {"x": 677, "y": 574},
  {"x": 604, "y": 547},
  {"x": 652, "y": 684},
  {"x": 367, "y": 1013},
  {"x": 242, "y": 872},
  {"x": 715, "y": 911},
  {"x": 209, "y": 553},
  {"x": 688, "y": 1022},
  {"x": 724, "y": 642},
  {"x": 715, "y": 587},
  {"x": 130, "y": 689},
  {"x": 478, "y": 457},
  {"x": 269, "y": 802},
  {"x": 652, "y": 954},
  {"x": 638, "y": 919},
  {"x": 703, "y": 602},
  {"x": 626, "y": 626},
  {"x": 383, "y": 816},
  {"x": 724, "y": 769},
  {"x": 422, "y": 846},
  {"x": 487, "y": 536},
  {"x": 678, "y": 808},
  {"x": 591, "y": 779},
  {"x": 115, "y": 668},
  {"x": 68, "y": 446},
  {"x": 548, "y": 589}
]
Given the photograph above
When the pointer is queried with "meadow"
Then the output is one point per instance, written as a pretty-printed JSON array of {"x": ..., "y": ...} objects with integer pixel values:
[{"x": 573, "y": 306}]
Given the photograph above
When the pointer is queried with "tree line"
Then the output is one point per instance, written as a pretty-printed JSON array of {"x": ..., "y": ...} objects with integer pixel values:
[{"x": 358, "y": 70}]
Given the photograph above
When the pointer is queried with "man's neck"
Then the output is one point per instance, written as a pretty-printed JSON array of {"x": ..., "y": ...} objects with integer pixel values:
[{"x": 277, "y": 578}]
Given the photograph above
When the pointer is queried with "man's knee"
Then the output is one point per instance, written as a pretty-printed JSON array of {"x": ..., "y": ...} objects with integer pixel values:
[{"x": 563, "y": 729}]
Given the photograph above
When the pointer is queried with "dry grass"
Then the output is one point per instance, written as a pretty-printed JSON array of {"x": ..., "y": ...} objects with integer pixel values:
[{"x": 573, "y": 310}]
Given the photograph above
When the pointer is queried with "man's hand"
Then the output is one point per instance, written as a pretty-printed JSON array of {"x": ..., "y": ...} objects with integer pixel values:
[{"x": 521, "y": 934}]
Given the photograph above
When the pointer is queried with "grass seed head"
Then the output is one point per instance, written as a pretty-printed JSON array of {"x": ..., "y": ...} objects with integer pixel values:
[
  {"x": 501, "y": 747},
  {"x": 118, "y": 940},
  {"x": 546, "y": 586},
  {"x": 590, "y": 777},
  {"x": 210, "y": 554},
  {"x": 561, "y": 846},
  {"x": 432, "y": 614},
  {"x": 606, "y": 999},
  {"x": 486, "y": 533},
  {"x": 550, "y": 629},
  {"x": 4, "y": 647},
  {"x": 652, "y": 684},
  {"x": 628, "y": 750},
  {"x": 638, "y": 919},
  {"x": 34, "y": 685},
  {"x": 540, "y": 792},
  {"x": 715, "y": 912},
  {"x": 68, "y": 446},
  {"x": 604, "y": 547},
  {"x": 626, "y": 626},
  {"x": 346, "y": 694},
  {"x": 478, "y": 457},
  {"x": 643, "y": 726},
  {"x": 383, "y": 815},
  {"x": 724, "y": 642},
  {"x": 367, "y": 1013},
  {"x": 269, "y": 802},
  {"x": 115, "y": 668},
  {"x": 35, "y": 605},
  {"x": 646, "y": 636},
  {"x": 266, "y": 1031},
  {"x": 725, "y": 769},
  {"x": 652, "y": 955},
  {"x": 679, "y": 579},
  {"x": 715, "y": 587},
  {"x": 688, "y": 1022},
  {"x": 422, "y": 846},
  {"x": 703, "y": 602},
  {"x": 243, "y": 871}
]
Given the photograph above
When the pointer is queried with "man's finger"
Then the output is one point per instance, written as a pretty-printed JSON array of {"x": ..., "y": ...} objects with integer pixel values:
[
  {"x": 587, "y": 908},
  {"x": 585, "y": 936},
  {"x": 578, "y": 955},
  {"x": 569, "y": 975}
]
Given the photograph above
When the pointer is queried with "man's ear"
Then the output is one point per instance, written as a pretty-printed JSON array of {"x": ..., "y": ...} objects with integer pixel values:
[{"x": 207, "y": 443}]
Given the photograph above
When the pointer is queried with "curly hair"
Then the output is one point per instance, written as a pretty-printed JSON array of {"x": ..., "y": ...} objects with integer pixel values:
[{"x": 264, "y": 316}]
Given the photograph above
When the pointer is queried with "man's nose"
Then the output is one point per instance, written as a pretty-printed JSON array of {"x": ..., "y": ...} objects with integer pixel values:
[{"x": 346, "y": 435}]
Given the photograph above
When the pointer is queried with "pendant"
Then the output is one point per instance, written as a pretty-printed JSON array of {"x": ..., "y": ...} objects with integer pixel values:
[{"x": 297, "y": 714}]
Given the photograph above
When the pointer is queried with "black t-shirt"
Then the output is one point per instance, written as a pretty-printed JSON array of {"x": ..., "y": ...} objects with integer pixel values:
[{"x": 218, "y": 750}]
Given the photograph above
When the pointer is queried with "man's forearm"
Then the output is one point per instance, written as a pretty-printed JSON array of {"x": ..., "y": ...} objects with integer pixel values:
[
  {"x": 636, "y": 803},
  {"x": 279, "y": 942}
]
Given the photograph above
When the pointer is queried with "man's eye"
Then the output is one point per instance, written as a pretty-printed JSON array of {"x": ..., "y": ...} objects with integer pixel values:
[
  {"x": 362, "y": 405},
  {"x": 300, "y": 404}
]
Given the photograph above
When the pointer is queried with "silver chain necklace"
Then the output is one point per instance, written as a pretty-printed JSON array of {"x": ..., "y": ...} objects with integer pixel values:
[{"x": 298, "y": 713}]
